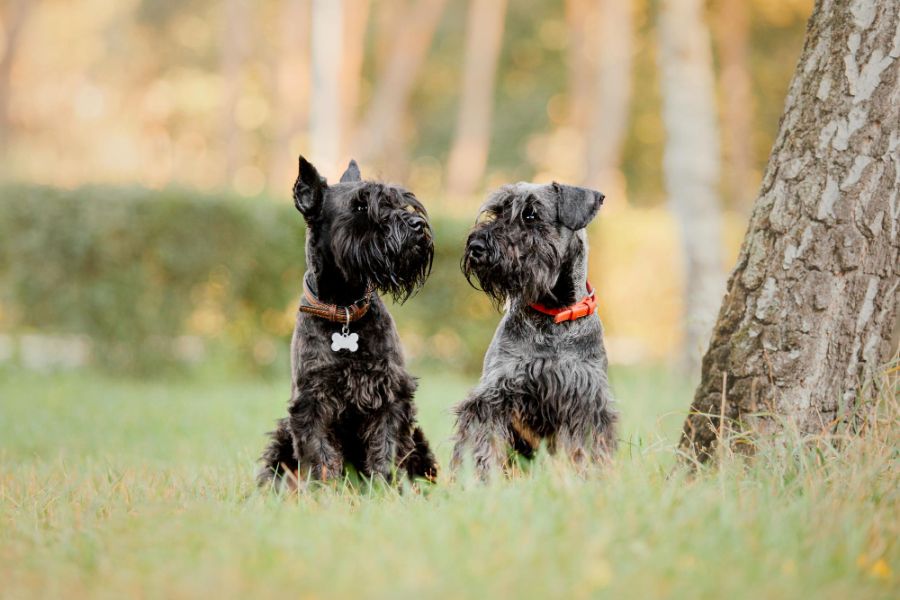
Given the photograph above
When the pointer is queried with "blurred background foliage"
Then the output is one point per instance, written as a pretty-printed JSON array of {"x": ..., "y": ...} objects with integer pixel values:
[
  {"x": 148, "y": 149},
  {"x": 159, "y": 279}
]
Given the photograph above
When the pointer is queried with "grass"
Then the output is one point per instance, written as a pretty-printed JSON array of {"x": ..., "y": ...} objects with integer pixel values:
[{"x": 113, "y": 488}]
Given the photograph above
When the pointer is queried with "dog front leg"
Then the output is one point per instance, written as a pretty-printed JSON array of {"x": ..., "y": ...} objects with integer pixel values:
[
  {"x": 591, "y": 442},
  {"x": 380, "y": 436},
  {"x": 279, "y": 462},
  {"x": 416, "y": 457},
  {"x": 572, "y": 443},
  {"x": 317, "y": 455},
  {"x": 481, "y": 431},
  {"x": 605, "y": 441}
]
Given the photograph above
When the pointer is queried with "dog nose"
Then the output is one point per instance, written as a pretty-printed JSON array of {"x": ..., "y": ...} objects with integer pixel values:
[
  {"x": 476, "y": 249},
  {"x": 417, "y": 225}
]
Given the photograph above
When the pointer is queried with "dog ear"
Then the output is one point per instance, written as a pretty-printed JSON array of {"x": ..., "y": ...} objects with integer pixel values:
[
  {"x": 309, "y": 189},
  {"x": 352, "y": 174},
  {"x": 577, "y": 205}
]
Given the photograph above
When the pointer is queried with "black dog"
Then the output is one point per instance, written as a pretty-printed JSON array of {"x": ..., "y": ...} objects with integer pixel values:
[
  {"x": 544, "y": 374},
  {"x": 351, "y": 397}
]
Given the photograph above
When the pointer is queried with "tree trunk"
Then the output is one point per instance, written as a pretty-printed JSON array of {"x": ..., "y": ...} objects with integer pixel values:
[
  {"x": 356, "y": 19},
  {"x": 580, "y": 21},
  {"x": 810, "y": 306},
  {"x": 13, "y": 20},
  {"x": 291, "y": 93},
  {"x": 600, "y": 59},
  {"x": 234, "y": 49},
  {"x": 468, "y": 155},
  {"x": 691, "y": 164},
  {"x": 325, "y": 117},
  {"x": 733, "y": 30},
  {"x": 384, "y": 118},
  {"x": 385, "y": 19}
]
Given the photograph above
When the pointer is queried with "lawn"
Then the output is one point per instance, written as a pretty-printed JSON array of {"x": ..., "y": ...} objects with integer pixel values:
[{"x": 115, "y": 488}]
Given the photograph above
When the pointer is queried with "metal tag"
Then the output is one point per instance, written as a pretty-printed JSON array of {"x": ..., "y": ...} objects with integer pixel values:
[{"x": 345, "y": 340}]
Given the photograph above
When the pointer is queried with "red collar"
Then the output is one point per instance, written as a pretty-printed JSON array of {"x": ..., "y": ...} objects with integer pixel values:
[{"x": 585, "y": 307}]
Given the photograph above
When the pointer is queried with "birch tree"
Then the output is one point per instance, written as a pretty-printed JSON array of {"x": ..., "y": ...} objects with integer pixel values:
[
  {"x": 733, "y": 32},
  {"x": 291, "y": 93},
  {"x": 810, "y": 306},
  {"x": 691, "y": 164},
  {"x": 13, "y": 22},
  {"x": 331, "y": 124},
  {"x": 356, "y": 18},
  {"x": 325, "y": 118},
  {"x": 234, "y": 48},
  {"x": 600, "y": 61},
  {"x": 469, "y": 152},
  {"x": 381, "y": 127}
]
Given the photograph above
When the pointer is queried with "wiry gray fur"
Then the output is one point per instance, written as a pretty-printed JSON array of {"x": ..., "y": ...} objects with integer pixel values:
[{"x": 541, "y": 380}]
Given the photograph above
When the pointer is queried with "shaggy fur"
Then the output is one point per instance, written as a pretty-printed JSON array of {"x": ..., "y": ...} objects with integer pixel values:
[
  {"x": 346, "y": 407},
  {"x": 541, "y": 380}
]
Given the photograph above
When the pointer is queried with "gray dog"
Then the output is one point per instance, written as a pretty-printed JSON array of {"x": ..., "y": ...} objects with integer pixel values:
[{"x": 544, "y": 373}]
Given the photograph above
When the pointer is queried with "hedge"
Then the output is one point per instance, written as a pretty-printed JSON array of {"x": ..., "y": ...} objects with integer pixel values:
[{"x": 136, "y": 270}]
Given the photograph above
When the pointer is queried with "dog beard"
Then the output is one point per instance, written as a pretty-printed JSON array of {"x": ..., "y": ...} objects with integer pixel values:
[
  {"x": 526, "y": 269},
  {"x": 392, "y": 256}
]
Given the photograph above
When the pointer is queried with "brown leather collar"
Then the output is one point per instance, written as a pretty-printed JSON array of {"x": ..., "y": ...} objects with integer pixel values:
[
  {"x": 585, "y": 307},
  {"x": 332, "y": 312}
]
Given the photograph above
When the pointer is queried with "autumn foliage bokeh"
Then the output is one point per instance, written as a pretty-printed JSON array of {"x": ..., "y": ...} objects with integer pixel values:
[{"x": 190, "y": 101}]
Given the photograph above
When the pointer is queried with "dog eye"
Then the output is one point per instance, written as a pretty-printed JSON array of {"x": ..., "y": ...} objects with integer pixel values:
[
  {"x": 360, "y": 205},
  {"x": 529, "y": 214}
]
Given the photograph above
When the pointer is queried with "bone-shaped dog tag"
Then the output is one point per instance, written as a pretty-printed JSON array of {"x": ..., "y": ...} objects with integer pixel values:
[{"x": 344, "y": 341}]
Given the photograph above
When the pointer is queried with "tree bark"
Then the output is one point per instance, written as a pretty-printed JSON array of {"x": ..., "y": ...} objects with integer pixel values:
[
  {"x": 14, "y": 21},
  {"x": 384, "y": 119},
  {"x": 468, "y": 155},
  {"x": 691, "y": 164},
  {"x": 810, "y": 306}
]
